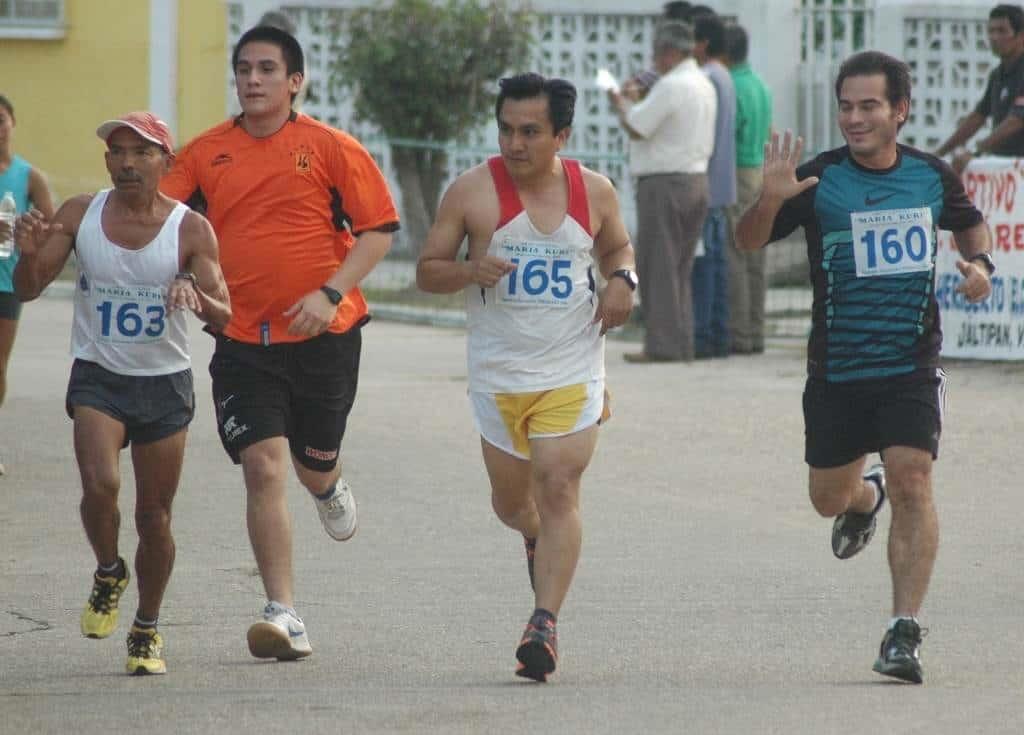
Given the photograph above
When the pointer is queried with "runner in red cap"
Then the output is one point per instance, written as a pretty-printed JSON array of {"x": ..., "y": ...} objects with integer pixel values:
[
  {"x": 146, "y": 124},
  {"x": 143, "y": 259}
]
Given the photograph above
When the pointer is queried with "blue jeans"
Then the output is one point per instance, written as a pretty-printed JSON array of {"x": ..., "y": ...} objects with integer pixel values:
[{"x": 710, "y": 288}]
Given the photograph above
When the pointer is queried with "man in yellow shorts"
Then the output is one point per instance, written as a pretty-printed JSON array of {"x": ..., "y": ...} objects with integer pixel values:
[{"x": 537, "y": 225}]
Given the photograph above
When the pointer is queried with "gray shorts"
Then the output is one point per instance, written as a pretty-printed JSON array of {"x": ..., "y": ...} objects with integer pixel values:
[{"x": 151, "y": 407}]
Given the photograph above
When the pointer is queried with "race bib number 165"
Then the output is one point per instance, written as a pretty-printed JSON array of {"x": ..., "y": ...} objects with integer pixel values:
[
  {"x": 543, "y": 274},
  {"x": 892, "y": 241}
]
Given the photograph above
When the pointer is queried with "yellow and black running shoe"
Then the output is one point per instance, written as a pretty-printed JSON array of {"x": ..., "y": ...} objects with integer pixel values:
[
  {"x": 99, "y": 618},
  {"x": 145, "y": 652}
]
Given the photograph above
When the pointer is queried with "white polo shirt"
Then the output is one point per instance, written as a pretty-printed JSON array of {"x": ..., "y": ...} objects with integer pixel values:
[{"x": 677, "y": 122}]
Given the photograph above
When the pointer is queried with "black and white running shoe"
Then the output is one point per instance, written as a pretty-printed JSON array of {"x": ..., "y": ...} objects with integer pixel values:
[{"x": 851, "y": 531}]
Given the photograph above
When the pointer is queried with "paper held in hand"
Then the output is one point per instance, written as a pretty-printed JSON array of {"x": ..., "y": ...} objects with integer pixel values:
[{"x": 605, "y": 81}]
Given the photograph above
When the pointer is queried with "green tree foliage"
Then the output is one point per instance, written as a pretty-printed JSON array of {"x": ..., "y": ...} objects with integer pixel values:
[{"x": 426, "y": 71}]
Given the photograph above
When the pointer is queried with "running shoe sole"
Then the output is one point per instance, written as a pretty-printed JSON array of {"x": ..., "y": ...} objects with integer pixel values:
[
  {"x": 267, "y": 640},
  {"x": 903, "y": 672},
  {"x": 143, "y": 670},
  {"x": 536, "y": 661}
]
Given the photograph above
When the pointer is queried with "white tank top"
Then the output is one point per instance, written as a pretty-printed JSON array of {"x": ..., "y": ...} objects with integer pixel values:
[
  {"x": 120, "y": 320},
  {"x": 534, "y": 330}
]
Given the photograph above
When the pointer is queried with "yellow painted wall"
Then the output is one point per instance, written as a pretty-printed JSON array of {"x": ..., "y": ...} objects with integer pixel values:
[
  {"x": 203, "y": 61},
  {"x": 61, "y": 90}
]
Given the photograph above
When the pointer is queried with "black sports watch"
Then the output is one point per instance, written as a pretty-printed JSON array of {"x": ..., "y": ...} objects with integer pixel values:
[
  {"x": 333, "y": 295},
  {"x": 986, "y": 260},
  {"x": 627, "y": 275}
]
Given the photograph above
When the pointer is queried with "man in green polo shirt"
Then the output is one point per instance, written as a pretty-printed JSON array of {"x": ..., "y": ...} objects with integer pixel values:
[{"x": 747, "y": 280}]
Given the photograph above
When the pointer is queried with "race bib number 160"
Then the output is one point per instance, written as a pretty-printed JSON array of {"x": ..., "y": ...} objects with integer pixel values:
[{"x": 892, "y": 241}]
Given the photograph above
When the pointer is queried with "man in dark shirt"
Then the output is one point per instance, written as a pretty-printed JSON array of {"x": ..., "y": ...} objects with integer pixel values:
[
  {"x": 1003, "y": 100},
  {"x": 870, "y": 211}
]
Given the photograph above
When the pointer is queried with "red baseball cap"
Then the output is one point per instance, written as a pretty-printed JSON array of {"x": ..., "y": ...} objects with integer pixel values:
[{"x": 146, "y": 124}]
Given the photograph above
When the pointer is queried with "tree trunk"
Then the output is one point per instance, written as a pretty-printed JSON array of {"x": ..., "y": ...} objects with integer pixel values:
[{"x": 420, "y": 176}]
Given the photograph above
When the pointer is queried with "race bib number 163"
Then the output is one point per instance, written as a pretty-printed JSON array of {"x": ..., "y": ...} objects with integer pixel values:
[{"x": 892, "y": 241}]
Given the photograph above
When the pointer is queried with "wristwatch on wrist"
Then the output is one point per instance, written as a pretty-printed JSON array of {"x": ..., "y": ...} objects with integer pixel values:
[
  {"x": 187, "y": 276},
  {"x": 333, "y": 295},
  {"x": 986, "y": 260},
  {"x": 627, "y": 275}
]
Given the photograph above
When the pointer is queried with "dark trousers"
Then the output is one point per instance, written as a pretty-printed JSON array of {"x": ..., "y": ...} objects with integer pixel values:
[
  {"x": 670, "y": 211},
  {"x": 711, "y": 287},
  {"x": 747, "y": 277}
]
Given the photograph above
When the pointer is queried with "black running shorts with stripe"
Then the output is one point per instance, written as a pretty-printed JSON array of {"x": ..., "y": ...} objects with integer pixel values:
[
  {"x": 299, "y": 390},
  {"x": 844, "y": 421}
]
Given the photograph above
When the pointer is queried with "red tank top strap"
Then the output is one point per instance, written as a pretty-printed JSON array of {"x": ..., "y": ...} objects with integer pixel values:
[
  {"x": 508, "y": 197},
  {"x": 579, "y": 207}
]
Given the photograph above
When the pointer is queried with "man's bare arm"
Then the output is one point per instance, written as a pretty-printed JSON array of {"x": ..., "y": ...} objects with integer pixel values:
[
  {"x": 437, "y": 270},
  {"x": 45, "y": 245},
  {"x": 621, "y": 105},
  {"x": 613, "y": 252},
  {"x": 201, "y": 258},
  {"x": 973, "y": 241},
  {"x": 964, "y": 132},
  {"x": 612, "y": 247},
  {"x": 1005, "y": 130},
  {"x": 39, "y": 194}
]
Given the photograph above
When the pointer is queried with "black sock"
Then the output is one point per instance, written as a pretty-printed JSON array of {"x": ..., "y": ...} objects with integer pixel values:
[
  {"x": 544, "y": 614},
  {"x": 141, "y": 622},
  {"x": 116, "y": 570},
  {"x": 327, "y": 493}
]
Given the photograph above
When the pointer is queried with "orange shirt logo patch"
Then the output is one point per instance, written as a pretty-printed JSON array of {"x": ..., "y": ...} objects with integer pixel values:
[{"x": 302, "y": 160}]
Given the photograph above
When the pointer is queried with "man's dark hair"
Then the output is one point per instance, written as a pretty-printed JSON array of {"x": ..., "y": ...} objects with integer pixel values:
[
  {"x": 1014, "y": 14},
  {"x": 277, "y": 19},
  {"x": 294, "y": 61},
  {"x": 6, "y": 104},
  {"x": 560, "y": 93},
  {"x": 677, "y": 10},
  {"x": 710, "y": 28},
  {"x": 737, "y": 43},
  {"x": 869, "y": 63}
]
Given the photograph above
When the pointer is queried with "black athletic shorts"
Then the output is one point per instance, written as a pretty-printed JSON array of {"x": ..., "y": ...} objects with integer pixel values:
[
  {"x": 844, "y": 421},
  {"x": 151, "y": 407},
  {"x": 300, "y": 390},
  {"x": 10, "y": 306}
]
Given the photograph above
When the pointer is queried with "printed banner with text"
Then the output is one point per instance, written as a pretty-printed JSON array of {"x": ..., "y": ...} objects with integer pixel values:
[{"x": 994, "y": 328}]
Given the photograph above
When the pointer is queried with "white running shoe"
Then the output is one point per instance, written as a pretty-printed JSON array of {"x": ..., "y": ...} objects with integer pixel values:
[
  {"x": 281, "y": 634},
  {"x": 338, "y": 513}
]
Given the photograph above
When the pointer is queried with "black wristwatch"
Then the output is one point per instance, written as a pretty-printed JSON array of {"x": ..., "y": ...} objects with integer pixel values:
[
  {"x": 986, "y": 260},
  {"x": 627, "y": 275},
  {"x": 186, "y": 276},
  {"x": 333, "y": 295}
]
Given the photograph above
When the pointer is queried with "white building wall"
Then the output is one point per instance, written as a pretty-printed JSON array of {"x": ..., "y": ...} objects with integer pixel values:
[{"x": 796, "y": 49}]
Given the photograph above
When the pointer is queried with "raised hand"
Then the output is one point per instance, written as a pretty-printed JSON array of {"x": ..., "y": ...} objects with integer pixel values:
[
  {"x": 31, "y": 230},
  {"x": 780, "y": 161}
]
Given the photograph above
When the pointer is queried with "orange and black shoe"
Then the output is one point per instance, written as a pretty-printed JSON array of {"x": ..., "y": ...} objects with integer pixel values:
[
  {"x": 531, "y": 548},
  {"x": 538, "y": 650}
]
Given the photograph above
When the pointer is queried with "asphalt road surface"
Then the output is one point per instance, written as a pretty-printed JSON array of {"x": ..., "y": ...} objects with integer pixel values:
[{"x": 707, "y": 599}]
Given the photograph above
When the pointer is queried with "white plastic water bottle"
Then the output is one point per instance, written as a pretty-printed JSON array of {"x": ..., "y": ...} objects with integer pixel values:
[{"x": 8, "y": 211}]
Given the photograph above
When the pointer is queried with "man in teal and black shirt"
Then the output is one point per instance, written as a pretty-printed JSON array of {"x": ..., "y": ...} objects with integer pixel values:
[{"x": 870, "y": 211}]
